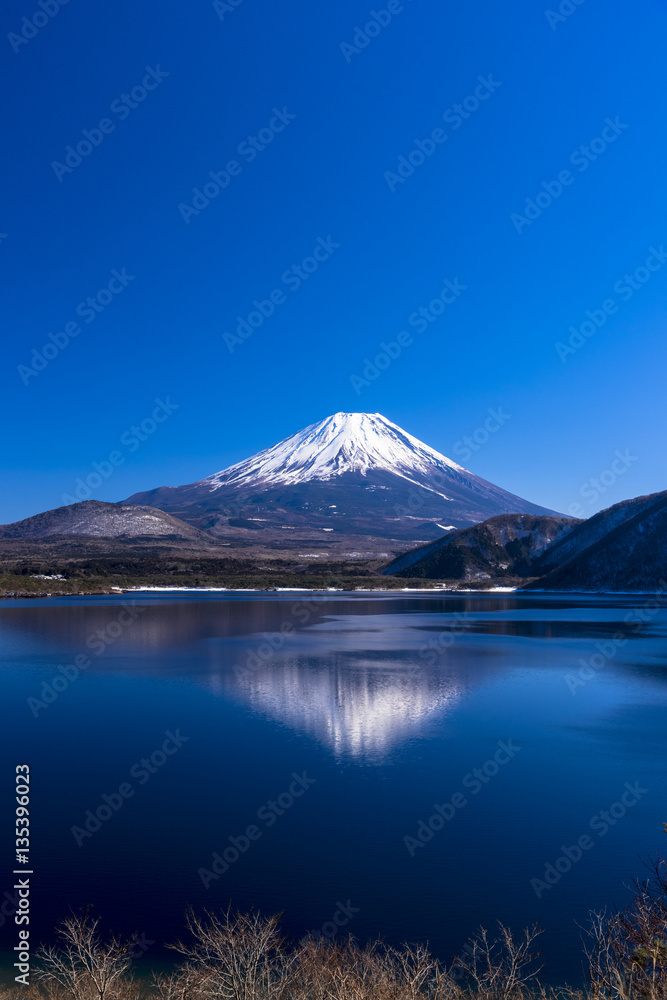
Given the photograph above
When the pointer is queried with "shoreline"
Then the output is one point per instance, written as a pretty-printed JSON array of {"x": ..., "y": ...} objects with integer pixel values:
[{"x": 394, "y": 591}]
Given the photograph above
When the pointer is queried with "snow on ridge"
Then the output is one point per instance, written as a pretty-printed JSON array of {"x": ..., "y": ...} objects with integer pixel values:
[{"x": 343, "y": 442}]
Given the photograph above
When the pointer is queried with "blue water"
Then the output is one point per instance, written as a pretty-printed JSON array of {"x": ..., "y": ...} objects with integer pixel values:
[{"x": 384, "y": 706}]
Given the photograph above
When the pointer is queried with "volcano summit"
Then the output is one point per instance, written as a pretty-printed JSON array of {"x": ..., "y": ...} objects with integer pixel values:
[{"x": 350, "y": 474}]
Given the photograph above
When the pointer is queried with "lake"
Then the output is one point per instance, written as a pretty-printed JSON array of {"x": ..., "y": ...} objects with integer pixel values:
[{"x": 409, "y": 764}]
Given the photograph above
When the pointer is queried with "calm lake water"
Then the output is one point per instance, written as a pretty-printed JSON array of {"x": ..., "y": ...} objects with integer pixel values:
[{"x": 384, "y": 707}]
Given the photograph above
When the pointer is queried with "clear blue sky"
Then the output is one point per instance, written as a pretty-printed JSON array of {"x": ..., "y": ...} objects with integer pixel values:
[{"x": 217, "y": 76}]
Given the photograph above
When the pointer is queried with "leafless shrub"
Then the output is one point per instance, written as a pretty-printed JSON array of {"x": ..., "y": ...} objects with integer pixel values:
[
  {"x": 346, "y": 971},
  {"x": 85, "y": 967},
  {"x": 237, "y": 956},
  {"x": 500, "y": 968},
  {"x": 231, "y": 957},
  {"x": 627, "y": 951}
]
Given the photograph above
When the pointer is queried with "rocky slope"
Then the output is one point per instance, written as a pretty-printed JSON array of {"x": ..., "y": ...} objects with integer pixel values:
[
  {"x": 623, "y": 548},
  {"x": 94, "y": 519},
  {"x": 501, "y": 547}
]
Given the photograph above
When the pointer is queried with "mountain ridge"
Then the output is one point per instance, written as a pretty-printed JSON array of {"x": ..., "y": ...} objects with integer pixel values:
[
  {"x": 501, "y": 547},
  {"x": 350, "y": 474},
  {"x": 101, "y": 520},
  {"x": 620, "y": 549}
]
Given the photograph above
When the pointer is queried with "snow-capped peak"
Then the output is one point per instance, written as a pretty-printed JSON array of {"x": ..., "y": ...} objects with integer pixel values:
[{"x": 344, "y": 442}]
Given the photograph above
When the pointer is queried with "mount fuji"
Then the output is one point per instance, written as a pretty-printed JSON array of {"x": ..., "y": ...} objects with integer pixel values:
[{"x": 352, "y": 474}]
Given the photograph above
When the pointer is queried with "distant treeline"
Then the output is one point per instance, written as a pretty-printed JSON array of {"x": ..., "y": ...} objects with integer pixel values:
[{"x": 26, "y": 577}]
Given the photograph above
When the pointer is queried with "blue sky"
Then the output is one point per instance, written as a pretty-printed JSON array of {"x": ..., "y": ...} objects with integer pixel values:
[{"x": 332, "y": 110}]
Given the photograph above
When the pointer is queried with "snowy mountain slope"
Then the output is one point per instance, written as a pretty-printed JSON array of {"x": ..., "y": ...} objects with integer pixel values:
[
  {"x": 96, "y": 519},
  {"x": 344, "y": 442},
  {"x": 350, "y": 474}
]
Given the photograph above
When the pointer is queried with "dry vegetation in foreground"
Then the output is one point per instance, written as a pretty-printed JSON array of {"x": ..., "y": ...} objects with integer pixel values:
[{"x": 232, "y": 956}]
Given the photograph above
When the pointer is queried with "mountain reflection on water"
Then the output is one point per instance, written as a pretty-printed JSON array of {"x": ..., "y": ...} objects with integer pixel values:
[
  {"x": 354, "y": 705},
  {"x": 387, "y": 702},
  {"x": 359, "y": 673}
]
